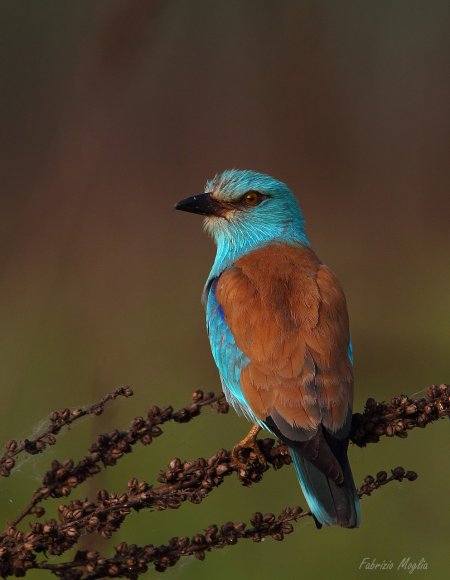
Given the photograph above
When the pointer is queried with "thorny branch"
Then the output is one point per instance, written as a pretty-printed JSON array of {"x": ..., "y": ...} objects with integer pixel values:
[{"x": 183, "y": 481}]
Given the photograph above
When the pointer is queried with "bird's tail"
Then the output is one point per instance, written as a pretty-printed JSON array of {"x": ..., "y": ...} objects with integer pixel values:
[{"x": 330, "y": 503}]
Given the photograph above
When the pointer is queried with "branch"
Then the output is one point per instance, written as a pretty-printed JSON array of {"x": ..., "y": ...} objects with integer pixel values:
[
  {"x": 58, "y": 420},
  {"x": 399, "y": 415},
  {"x": 93, "y": 565},
  {"x": 62, "y": 478},
  {"x": 182, "y": 481}
]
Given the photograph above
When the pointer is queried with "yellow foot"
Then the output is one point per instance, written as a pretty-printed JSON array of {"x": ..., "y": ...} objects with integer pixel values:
[{"x": 249, "y": 442}]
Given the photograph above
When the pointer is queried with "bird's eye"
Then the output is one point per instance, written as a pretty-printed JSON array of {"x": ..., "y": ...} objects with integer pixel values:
[{"x": 252, "y": 198}]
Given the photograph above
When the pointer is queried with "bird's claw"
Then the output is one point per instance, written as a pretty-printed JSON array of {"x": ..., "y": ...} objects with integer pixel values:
[{"x": 236, "y": 455}]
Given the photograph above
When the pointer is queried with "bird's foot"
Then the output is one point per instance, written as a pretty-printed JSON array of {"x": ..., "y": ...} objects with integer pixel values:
[{"x": 239, "y": 456}]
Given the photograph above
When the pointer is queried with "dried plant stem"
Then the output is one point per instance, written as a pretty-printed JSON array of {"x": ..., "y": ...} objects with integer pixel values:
[
  {"x": 93, "y": 565},
  {"x": 184, "y": 481},
  {"x": 400, "y": 414},
  {"x": 58, "y": 420},
  {"x": 109, "y": 448}
]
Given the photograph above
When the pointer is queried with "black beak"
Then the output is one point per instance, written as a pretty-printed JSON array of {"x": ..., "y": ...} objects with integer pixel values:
[{"x": 203, "y": 204}]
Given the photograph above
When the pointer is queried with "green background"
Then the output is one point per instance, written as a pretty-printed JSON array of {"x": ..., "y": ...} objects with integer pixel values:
[{"x": 112, "y": 111}]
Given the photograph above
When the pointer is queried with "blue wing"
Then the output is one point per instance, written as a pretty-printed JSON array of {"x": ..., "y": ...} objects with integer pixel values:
[{"x": 230, "y": 360}]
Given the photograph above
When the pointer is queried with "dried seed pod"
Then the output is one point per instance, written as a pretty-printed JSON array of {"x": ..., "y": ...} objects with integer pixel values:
[
  {"x": 398, "y": 472},
  {"x": 381, "y": 476}
]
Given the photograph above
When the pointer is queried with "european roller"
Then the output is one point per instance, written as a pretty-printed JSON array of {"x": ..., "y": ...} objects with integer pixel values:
[{"x": 278, "y": 326}]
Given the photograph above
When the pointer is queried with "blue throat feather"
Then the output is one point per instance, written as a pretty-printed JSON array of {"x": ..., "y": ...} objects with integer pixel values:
[{"x": 283, "y": 222}]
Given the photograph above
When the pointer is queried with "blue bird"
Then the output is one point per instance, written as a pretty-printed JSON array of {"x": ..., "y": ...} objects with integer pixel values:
[{"x": 278, "y": 326}]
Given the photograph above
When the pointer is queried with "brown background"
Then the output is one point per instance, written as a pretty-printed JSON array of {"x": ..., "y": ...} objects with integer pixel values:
[{"x": 111, "y": 112}]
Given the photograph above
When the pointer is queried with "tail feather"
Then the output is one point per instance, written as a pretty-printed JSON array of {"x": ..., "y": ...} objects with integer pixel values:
[{"x": 331, "y": 503}]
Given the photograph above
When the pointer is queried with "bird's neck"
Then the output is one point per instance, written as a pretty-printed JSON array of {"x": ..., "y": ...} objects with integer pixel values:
[{"x": 232, "y": 245}]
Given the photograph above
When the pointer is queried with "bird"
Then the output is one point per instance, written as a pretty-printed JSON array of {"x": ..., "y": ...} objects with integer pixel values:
[{"x": 279, "y": 332}]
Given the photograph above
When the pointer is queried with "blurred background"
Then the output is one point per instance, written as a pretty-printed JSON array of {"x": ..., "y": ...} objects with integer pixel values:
[{"x": 111, "y": 111}]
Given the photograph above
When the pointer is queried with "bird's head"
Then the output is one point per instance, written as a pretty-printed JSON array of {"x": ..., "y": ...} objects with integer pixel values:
[{"x": 245, "y": 208}]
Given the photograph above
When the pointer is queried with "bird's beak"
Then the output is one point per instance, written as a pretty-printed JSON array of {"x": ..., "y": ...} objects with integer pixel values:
[{"x": 203, "y": 204}]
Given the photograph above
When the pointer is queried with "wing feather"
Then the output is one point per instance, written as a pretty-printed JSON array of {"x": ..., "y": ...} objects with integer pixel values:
[{"x": 287, "y": 314}]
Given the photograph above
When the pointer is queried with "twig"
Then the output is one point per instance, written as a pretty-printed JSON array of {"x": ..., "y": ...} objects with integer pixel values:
[
  {"x": 130, "y": 561},
  {"x": 58, "y": 420},
  {"x": 62, "y": 478},
  {"x": 399, "y": 415},
  {"x": 182, "y": 481}
]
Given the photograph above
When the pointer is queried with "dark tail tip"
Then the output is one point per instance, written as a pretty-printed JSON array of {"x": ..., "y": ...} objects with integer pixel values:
[{"x": 331, "y": 504}]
